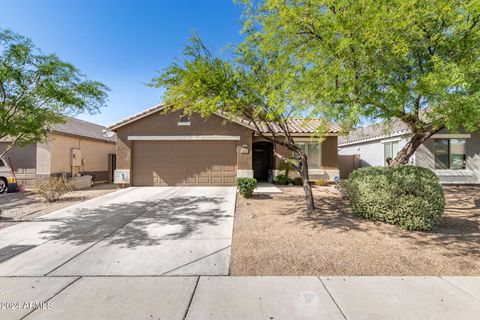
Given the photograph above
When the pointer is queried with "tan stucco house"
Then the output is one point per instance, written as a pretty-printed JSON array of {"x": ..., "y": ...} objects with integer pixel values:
[
  {"x": 157, "y": 147},
  {"x": 72, "y": 148}
]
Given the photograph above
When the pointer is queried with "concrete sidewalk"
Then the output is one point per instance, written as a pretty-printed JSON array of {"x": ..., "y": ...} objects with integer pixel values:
[{"x": 275, "y": 298}]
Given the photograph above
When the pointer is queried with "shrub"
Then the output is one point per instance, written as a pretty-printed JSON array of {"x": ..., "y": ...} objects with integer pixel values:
[
  {"x": 246, "y": 186},
  {"x": 52, "y": 189},
  {"x": 408, "y": 196},
  {"x": 283, "y": 179}
]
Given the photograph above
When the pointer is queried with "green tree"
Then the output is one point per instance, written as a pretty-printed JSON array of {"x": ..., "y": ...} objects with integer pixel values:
[
  {"x": 37, "y": 90},
  {"x": 251, "y": 86},
  {"x": 415, "y": 60}
]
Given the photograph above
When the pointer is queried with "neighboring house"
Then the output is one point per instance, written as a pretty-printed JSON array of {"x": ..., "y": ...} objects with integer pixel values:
[
  {"x": 72, "y": 148},
  {"x": 454, "y": 157},
  {"x": 165, "y": 148}
]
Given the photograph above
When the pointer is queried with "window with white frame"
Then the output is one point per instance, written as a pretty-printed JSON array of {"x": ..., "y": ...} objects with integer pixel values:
[
  {"x": 313, "y": 150},
  {"x": 390, "y": 150},
  {"x": 450, "y": 154}
]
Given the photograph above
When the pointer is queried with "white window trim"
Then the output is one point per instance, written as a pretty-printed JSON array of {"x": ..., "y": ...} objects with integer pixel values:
[
  {"x": 454, "y": 172},
  {"x": 452, "y": 136},
  {"x": 321, "y": 152},
  {"x": 449, "y": 138},
  {"x": 184, "y": 138},
  {"x": 185, "y": 123},
  {"x": 391, "y": 140}
]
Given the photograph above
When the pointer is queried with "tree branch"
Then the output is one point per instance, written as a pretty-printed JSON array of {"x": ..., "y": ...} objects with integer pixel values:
[{"x": 11, "y": 145}]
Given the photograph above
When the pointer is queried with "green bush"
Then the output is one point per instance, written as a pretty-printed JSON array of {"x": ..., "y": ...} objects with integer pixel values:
[
  {"x": 283, "y": 179},
  {"x": 246, "y": 186},
  {"x": 408, "y": 196},
  {"x": 52, "y": 189}
]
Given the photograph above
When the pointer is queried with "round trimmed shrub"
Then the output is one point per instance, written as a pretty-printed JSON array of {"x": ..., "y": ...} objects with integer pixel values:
[
  {"x": 407, "y": 196},
  {"x": 246, "y": 186}
]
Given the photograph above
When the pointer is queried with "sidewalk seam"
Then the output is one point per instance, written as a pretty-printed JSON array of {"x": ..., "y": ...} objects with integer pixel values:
[
  {"x": 457, "y": 287},
  {"x": 333, "y": 299},
  {"x": 53, "y": 296},
  {"x": 111, "y": 233},
  {"x": 196, "y": 260},
  {"x": 191, "y": 299}
]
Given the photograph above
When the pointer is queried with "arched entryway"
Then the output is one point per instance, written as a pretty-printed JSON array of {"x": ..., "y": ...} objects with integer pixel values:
[{"x": 262, "y": 159}]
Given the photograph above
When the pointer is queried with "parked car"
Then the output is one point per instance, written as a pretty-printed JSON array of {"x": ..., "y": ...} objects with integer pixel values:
[{"x": 6, "y": 176}]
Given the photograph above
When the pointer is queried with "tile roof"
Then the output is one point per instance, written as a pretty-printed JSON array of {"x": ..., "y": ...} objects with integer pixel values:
[
  {"x": 299, "y": 125},
  {"x": 81, "y": 128},
  {"x": 296, "y": 125},
  {"x": 375, "y": 131}
]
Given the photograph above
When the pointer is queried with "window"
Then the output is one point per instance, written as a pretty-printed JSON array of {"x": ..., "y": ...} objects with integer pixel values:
[
  {"x": 450, "y": 154},
  {"x": 390, "y": 150},
  {"x": 184, "y": 120},
  {"x": 2, "y": 164},
  {"x": 313, "y": 150}
]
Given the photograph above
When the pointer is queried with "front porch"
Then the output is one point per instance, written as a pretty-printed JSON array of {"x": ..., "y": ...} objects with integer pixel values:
[{"x": 322, "y": 159}]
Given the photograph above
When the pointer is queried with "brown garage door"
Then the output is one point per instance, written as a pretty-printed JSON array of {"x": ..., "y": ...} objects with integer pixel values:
[{"x": 174, "y": 163}]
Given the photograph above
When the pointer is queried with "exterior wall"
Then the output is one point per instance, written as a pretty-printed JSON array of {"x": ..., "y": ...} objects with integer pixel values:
[
  {"x": 44, "y": 159},
  {"x": 371, "y": 154},
  {"x": 23, "y": 159},
  {"x": 424, "y": 157},
  {"x": 94, "y": 155},
  {"x": 329, "y": 169},
  {"x": 166, "y": 124}
]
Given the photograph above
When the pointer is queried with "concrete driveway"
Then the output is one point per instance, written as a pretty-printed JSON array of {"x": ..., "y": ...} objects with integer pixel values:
[{"x": 135, "y": 231}]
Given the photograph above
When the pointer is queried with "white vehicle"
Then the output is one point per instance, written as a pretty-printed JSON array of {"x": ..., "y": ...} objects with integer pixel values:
[{"x": 6, "y": 176}]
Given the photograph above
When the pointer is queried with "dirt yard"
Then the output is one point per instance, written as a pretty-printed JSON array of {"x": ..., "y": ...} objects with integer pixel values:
[
  {"x": 25, "y": 206},
  {"x": 274, "y": 235}
]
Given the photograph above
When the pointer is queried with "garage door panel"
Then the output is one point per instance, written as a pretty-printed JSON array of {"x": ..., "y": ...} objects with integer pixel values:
[
  {"x": 229, "y": 179},
  {"x": 230, "y": 169},
  {"x": 184, "y": 163}
]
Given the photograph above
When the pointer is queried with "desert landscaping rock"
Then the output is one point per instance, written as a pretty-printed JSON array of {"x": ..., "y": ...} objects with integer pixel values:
[
  {"x": 26, "y": 206},
  {"x": 275, "y": 235}
]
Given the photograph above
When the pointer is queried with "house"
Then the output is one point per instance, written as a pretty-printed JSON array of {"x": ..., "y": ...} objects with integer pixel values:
[
  {"x": 160, "y": 147},
  {"x": 72, "y": 148},
  {"x": 453, "y": 156}
]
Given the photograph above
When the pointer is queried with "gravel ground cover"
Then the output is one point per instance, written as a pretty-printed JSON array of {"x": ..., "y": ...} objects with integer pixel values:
[
  {"x": 275, "y": 235},
  {"x": 25, "y": 206}
]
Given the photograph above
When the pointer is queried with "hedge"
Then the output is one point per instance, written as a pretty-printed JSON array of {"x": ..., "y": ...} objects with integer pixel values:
[{"x": 408, "y": 196}]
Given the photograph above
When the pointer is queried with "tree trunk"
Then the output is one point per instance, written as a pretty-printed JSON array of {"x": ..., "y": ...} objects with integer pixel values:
[
  {"x": 8, "y": 149},
  {"x": 302, "y": 169},
  {"x": 307, "y": 188},
  {"x": 403, "y": 156}
]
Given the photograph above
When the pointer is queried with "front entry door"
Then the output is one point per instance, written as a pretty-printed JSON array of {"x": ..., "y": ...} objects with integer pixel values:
[{"x": 262, "y": 159}]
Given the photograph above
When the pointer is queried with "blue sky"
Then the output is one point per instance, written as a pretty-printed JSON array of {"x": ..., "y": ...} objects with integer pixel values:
[{"x": 122, "y": 43}]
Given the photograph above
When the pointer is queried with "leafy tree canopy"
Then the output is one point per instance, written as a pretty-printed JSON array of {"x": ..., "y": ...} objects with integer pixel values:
[
  {"x": 415, "y": 60},
  {"x": 254, "y": 86},
  {"x": 37, "y": 90}
]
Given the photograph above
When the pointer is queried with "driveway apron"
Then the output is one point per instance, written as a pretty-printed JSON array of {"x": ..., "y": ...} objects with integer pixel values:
[{"x": 137, "y": 231}]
